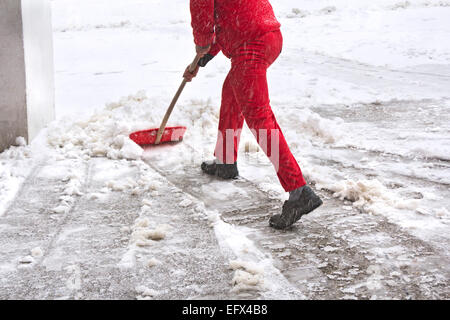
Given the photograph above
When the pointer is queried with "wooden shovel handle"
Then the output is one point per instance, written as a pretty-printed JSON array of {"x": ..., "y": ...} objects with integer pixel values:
[{"x": 192, "y": 67}]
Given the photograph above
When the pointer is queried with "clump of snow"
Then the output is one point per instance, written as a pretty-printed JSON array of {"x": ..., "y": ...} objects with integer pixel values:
[
  {"x": 70, "y": 191},
  {"x": 141, "y": 238},
  {"x": 247, "y": 277},
  {"x": 147, "y": 202},
  {"x": 247, "y": 266},
  {"x": 144, "y": 236},
  {"x": 329, "y": 249},
  {"x": 96, "y": 196},
  {"x": 121, "y": 185},
  {"x": 153, "y": 262},
  {"x": 185, "y": 203},
  {"x": 158, "y": 233},
  {"x": 21, "y": 142},
  {"x": 146, "y": 293},
  {"x": 37, "y": 252},
  {"x": 62, "y": 209}
]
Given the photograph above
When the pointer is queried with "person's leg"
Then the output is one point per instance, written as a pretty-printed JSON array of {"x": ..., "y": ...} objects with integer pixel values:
[
  {"x": 230, "y": 127},
  {"x": 249, "y": 83},
  {"x": 231, "y": 121}
]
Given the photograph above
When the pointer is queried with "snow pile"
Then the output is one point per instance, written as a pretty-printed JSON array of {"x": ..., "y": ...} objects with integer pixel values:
[
  {"x": 327, "y": 130},
  {"x": 309, "y": 122},
  {"x": 105, "y": 134},
  {"x": 201, "y": 117},
  {"x": 370, "y": 195}
]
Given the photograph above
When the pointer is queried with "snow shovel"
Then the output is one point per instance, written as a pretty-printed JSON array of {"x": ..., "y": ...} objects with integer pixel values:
[{"x": 163, "y": 134}]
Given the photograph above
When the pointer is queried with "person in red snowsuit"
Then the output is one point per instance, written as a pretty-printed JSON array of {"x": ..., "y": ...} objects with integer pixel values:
[{"x": 248, "y": 33}]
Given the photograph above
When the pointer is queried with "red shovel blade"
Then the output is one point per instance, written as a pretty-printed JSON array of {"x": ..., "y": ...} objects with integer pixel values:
[{"x": 146, "y": 137}]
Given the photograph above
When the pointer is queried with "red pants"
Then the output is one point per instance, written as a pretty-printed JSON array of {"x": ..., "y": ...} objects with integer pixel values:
[{"x": 245, "y": 95}]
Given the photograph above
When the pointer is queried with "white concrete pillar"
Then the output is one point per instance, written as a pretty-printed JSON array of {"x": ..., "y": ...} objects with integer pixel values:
[{"x": 27, "y": 101}]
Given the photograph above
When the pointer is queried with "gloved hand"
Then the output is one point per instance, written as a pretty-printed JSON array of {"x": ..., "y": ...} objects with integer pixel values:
[
  {"x": 190, "y": 75},
  {"x": 204, "y": 61}
]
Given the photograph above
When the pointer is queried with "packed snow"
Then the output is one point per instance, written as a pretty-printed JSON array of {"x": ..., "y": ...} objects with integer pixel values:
[{"x": 360, "y": 92}]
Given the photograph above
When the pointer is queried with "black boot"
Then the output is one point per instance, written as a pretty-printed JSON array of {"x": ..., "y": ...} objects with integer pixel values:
[
  {"x": 222, "y": 170},
  {"x": 294, "y": 209}
]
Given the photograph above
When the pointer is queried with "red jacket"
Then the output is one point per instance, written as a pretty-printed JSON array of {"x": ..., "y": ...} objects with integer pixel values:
[{"x": 230, "y": 22}]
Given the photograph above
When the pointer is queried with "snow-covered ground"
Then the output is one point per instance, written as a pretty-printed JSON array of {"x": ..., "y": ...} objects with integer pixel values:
[{"x": 361, "y": 92}]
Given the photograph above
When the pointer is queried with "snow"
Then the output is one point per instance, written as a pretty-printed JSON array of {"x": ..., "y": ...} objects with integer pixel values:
[
  {"x": 146, "y": 293},
  {"x": 37, "y": 252},
  {"x": 16, "y": 163},
  {"x": 105, "y": 134},
  {"x": 27, "y": 260},
  {"x": 143, "y": 236},
  {"x": 254, "y": 270},
  {"x": 21, "y": 142},
  {"x": 185, "y": 203},
  {"x": 153, "y": 262}
]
